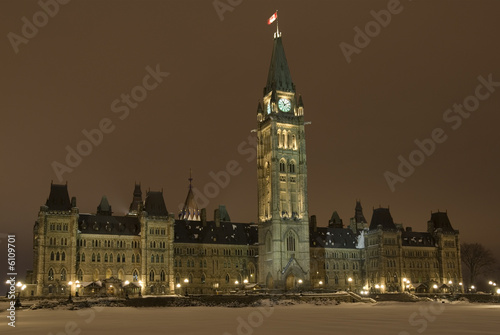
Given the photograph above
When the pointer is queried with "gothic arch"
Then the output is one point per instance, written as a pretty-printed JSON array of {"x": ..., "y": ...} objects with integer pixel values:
[{"x": 269, "y": 242}]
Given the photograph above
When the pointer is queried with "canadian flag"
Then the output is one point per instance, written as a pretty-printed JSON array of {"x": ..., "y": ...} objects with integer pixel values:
[{"x": 273, "y": 18}]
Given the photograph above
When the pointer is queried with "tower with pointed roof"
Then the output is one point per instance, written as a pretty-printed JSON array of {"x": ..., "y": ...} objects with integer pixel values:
[
  {"x": 282, "y": 179},
  {"x": 190, "y": 209}
]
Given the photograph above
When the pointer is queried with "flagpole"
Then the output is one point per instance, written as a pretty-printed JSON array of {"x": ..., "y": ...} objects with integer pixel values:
[{"x": 277, "y": 24}]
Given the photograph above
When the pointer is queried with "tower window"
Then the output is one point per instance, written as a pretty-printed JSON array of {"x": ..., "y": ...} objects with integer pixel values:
[
  {"x": 51, "y": 274},
  {"x": 282, "y": 166},
  {"x": 290, "y": 242}
]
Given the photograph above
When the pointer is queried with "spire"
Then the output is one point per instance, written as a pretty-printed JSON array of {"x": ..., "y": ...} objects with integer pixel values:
[
  {"x": 279, "y": 77},
  {"x": 190, "y": 209},
  {"x": 136, "y": 201},
  {"x": 358, "y": 213},
  {"x": 104, "y": 208}
]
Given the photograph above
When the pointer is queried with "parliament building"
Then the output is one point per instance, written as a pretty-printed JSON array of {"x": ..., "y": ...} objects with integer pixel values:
[{"x": 151, "y": 251}]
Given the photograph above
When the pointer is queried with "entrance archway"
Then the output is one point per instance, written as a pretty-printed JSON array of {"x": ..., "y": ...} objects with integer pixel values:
[{"x": 290, "y": 282}]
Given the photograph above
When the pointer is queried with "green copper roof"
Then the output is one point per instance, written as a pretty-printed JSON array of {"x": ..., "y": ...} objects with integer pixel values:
[{"x": 279, "y": 77}]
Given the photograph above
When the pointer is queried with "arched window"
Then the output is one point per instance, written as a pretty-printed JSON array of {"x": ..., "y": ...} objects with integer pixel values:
[
  {"x": 98, "y": 257},
  {"x": 294, "y": 142},
  {"x": 162, "y": 275},
  {"x": 279, "y": 139},
  {"x": 93, "y": 257},
  {"x": 111, "y": 258},
  {"x": 77, "y": 256},
  {"x": 157, "y": 258},
  {"x": 151, "y": 275},
  {"x": 83, "y": 257},
  {"x": 79, "y": 275},
  {"x": 109, "y": 273},
  {"x": 123, "y": 258},
  {"x": 291, "y": 167},
  {"x": 190, "y": 278},
  {"x": 57, "y": 256},
  {"x": 137, "y": 259},
  {"x": 133, "y": 258},
  {"x": 290, "y": 242},
  {"x": 135, "y": 275},
  {"x": 227, "y": 278},
  {"x": 51, "y": 274},
  {"x": 203, "y": 278},
  {"x": 282, "y": 166},
  {"x": 118, "y": 258},
  {"x": 152, "y": 258},
  {"x": 63, "y": 256},
  {"x": 52, "y": 256},
  {"x": 105, "y": 258},
  {"x": 162, "y": 259},
  {"x": 63, "y": 275}
]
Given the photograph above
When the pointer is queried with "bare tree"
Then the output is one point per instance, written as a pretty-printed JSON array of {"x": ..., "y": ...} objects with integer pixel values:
[{"x": 477, "y": 259}]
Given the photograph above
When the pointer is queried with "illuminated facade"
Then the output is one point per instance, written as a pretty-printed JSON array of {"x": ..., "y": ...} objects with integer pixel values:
[{"x": 149, "y": 250}]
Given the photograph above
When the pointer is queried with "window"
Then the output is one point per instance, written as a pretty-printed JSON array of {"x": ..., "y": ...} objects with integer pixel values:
[
  {"x": 63, "y": 275},
  {"x": 118, "y": 258},
  {"x": 51, "y": 274},
  {"x": 105, "y": 258},
  {"x": 63, "y": 256},
  {"x": 111, "y": 258},
  {"x": 123, "y": 258},
  {"x": 83, "y": 257},
  {"x": 290, "y": 242},
  {"x": 52, "y": 256},
  {"x": 203, "y": 278},
  {"x": 98, "y": 257},
  {"x": 282, "y": 166},
  {"x": 57, "y": 256},
  {"x": 227, "y": 279},
  {"x": 162, "y": 275},
  {"x": 93, "y": 257},
  {"x": 77, "y": 257},
  {"x": 79, "y": 275},
  {"x": 151, "y": 275},
  {"x": 291, "y": 167},
  {"x": 133, "y": 258},
  {"x": 135, "y": 276}
]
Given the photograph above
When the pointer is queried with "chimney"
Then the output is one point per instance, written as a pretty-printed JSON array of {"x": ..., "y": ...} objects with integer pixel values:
[
  {"x": 217, "y": 217},
  {"x": 203, "y": 217},
  {"x": 313, "y": 223}
]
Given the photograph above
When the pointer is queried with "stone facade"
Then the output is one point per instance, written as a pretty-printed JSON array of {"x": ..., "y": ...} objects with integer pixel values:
[{"x": 150, "y": 251}]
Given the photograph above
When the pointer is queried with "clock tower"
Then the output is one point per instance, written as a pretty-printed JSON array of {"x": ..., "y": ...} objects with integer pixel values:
[{"x": 282, "y": 180}]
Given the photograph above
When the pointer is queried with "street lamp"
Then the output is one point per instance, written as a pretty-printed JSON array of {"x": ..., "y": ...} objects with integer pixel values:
[
  {"x": 350, "y": 281},
  {"x": 186, "y": 281},
  {"x": 245, "y": 281}
]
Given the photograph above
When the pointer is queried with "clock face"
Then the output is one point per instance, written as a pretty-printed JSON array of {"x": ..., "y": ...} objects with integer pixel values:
[
  {"x": 269, "y": 108},
  {"x": 284, "y": 105}
]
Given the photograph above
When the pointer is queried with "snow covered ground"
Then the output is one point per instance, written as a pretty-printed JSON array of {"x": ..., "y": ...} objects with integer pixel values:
[{"x": 373, "y": 319}]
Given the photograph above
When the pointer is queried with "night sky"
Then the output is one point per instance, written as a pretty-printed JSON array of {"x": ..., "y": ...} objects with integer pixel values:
[{"x": 364, "y": 114}]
